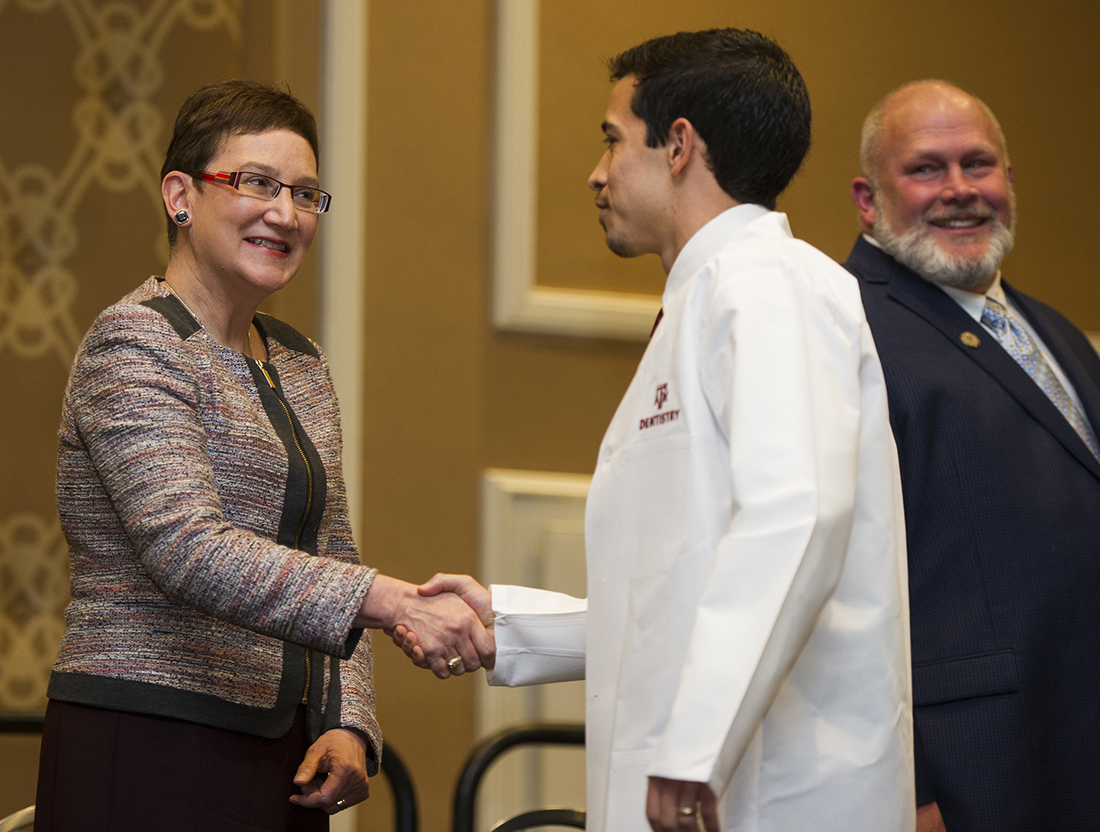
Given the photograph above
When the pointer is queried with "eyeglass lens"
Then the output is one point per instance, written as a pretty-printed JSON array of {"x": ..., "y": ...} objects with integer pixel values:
[{"x": 264, "y": 187}]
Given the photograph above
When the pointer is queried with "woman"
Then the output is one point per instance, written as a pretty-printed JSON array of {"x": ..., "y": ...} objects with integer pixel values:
[{"x": 212, "y": 674}]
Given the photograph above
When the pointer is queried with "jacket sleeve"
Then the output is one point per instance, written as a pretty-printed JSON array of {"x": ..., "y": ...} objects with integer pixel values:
[
  {"x": 134, "y": 403},
  {"x": 781, "y": 376},
  {"x": 540, "y": 636}
]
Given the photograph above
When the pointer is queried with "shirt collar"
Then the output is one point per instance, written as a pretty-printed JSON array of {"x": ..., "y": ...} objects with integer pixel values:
[
  {"x": 974, "y": 302},
  {"x": 706, "y": 242},
  {"x": 872, "y": 241}
]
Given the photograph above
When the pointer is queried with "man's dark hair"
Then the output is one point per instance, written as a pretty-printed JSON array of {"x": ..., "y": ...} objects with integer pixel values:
[
  {"x": 742, "y": 94},
  {"x": 213, "y": 113}
]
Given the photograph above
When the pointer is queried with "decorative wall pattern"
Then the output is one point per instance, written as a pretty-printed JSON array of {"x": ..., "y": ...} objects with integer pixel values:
[
  {"x": 91, "y": 87},
  {"x": 33, "y": 593},
  {"x": 118, "y": 65}
]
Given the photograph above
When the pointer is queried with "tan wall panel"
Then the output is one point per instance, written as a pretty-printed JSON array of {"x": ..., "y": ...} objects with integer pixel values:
[
  {"x": 426, "y": 318},
  {"x": 18, "y": 771}
]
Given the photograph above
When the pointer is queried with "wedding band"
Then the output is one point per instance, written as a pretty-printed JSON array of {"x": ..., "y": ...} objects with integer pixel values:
[
  {"x": 686, "y": 811},
  {"x": 341, "y": 805},
  {"x": 454, "y": 664}
]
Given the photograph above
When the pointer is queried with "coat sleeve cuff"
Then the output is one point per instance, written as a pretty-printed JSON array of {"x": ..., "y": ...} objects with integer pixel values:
[{"x": 540, "y": 636}]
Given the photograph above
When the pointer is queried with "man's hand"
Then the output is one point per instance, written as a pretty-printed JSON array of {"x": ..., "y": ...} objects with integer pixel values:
[
  {"x": 334, "y": 769},
  {"x": 466, "y": 588},
  {"x": 668, "y": 801},
  {"x": 929, "y": 818},
  {"x": 434, "y": 629}
]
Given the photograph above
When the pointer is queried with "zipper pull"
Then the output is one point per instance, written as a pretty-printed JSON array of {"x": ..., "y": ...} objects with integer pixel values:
[{"x": 263, "y": 369}]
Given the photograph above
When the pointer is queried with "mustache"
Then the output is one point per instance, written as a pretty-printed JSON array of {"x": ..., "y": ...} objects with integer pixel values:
[{"x": 961, "y": 214}]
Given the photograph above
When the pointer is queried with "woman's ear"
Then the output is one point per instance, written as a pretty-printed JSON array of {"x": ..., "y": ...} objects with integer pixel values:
[{"x": 176, "y": 192}]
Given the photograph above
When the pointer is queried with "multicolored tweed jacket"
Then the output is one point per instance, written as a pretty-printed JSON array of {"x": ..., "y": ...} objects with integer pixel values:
[{"x": 214, "y": 576}]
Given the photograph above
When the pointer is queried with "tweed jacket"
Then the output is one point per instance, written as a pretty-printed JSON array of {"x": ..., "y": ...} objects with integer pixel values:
[{"x": 214, "y": 576}]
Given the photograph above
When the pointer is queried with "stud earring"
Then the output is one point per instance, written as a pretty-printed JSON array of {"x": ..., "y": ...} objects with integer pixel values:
[{"x": 182, "y": 217}]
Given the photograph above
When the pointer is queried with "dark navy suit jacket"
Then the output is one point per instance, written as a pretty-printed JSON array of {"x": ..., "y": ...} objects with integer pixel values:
[{"x": 1002, "y": 505}]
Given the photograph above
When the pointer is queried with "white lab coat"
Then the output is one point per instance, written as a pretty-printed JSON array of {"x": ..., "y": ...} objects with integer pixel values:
[{"x": 747, "y": 616}]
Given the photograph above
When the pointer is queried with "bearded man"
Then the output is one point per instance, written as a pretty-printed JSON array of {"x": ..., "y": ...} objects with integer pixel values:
[{"x": 994, "y": 402}]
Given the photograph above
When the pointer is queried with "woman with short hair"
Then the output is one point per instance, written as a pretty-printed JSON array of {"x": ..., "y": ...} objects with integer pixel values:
[{"x": 213, "y": 674}]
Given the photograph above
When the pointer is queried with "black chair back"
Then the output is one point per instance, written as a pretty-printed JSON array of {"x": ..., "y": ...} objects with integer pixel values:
[
  {"x": 405, "y": 817},
  {"x": 539, "y": 818},
  {"x": 488, "y": 750}
]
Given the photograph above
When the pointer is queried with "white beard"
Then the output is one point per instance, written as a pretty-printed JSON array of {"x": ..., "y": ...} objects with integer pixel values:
[{"x": 918, "y": 249}]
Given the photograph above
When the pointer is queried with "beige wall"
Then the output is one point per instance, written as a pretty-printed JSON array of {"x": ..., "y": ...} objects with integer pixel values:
[{"x": 446, "y": 395}]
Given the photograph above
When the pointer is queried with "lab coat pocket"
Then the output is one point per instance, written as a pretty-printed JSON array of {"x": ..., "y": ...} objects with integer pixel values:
[{"x": 657, "y": 490}]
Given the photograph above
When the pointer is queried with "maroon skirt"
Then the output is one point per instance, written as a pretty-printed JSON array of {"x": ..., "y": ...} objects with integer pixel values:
[{"x": 105, "y": 770}]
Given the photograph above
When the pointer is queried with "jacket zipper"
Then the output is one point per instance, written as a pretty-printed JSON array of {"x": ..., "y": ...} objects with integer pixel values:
[{"x": 309, "y": 499}]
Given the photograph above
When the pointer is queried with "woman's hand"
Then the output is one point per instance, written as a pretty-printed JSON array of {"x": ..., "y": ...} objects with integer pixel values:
[
  {"x": 340, "y": 755},
  {"x": 474, "y": 594},
  {"x": 445, "y": 626}
]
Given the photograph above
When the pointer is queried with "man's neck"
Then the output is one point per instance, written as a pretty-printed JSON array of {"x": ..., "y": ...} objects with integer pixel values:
[{"x": 688, "y": 217}]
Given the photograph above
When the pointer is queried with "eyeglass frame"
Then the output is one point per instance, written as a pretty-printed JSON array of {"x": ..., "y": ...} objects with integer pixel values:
[{"x": 233, "y": 178}]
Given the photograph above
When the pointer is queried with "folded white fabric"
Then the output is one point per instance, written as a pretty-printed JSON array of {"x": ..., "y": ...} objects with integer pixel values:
[{"x": 539, "y": 635}]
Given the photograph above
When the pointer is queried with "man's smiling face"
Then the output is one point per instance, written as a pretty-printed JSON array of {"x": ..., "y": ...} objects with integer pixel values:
[{"x": 944, "y": 191}]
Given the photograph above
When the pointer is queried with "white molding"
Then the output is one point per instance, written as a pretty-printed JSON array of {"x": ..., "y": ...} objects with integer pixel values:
[
  {"x": 532, "y": 534},
  {"x": 343, "y": 257},
  {"x": 518, "y": 302}
]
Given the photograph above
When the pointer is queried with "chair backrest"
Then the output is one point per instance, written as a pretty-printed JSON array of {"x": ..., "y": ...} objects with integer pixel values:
[
  {"x": 405, "y": 817},
  {"x": 18, "y": 821},
  {"x": 541, "y": 818},
  {"x": 488, "y": 750}
]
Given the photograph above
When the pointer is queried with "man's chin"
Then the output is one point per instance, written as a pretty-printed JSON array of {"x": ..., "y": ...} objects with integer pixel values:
[
  {"x": 963, "y": 261},
  {"x": 620, "y": 247},
  {"x": 955, "y": 243}
]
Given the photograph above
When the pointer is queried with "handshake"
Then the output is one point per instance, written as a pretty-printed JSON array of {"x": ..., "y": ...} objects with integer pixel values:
[{"x": 442, "y": 625}]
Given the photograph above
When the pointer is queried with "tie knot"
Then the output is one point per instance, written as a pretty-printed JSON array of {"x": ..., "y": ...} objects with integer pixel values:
[{"x": 995, "y": 316}]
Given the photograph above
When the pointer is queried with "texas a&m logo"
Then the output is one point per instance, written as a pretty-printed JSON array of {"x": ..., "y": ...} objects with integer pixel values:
[{"x": 660, "y": 418}]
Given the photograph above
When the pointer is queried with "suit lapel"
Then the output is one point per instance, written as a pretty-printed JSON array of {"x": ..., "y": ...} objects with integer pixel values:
[{"x": 941, "y": 311}]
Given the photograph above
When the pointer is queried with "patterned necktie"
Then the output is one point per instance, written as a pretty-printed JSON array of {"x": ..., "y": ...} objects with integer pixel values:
[{"x": 1017, "y": 343}]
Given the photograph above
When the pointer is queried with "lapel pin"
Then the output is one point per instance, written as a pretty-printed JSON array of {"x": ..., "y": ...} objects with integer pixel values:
[{"x": 970, "y": 339}]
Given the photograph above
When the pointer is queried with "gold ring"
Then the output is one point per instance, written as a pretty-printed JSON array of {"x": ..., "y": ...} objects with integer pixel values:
[
  {"x": 686, "y": 811},
  {"x": 454, "y": 664},
  {"x": 341, "y": 805}
]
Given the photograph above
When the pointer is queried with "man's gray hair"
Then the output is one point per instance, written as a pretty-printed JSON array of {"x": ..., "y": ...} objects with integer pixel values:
[{"x": 870, "y": 143}]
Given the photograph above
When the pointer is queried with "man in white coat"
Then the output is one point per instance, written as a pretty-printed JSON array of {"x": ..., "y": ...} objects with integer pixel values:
[{"x": 745, "y": 637}]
